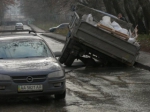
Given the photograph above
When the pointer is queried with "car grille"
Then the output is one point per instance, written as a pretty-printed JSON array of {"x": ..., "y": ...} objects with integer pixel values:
[{"x": 29, "y": 79}]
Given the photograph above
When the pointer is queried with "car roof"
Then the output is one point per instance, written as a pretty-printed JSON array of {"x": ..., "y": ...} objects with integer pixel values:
[
  {"x": 19, "y": 37},
  {"x": 64, "y": 23},
  {"x": 58, "y": 26}
]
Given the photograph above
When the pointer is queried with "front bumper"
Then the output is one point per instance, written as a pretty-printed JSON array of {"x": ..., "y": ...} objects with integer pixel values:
[{"x": 49, "y": 88}]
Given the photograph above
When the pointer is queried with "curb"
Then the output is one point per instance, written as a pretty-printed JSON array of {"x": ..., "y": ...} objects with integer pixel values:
[
  {"x": 36, "y": 29},
  {"x": 142, "y": 66},
  {"x": 54, "y": 37},
  {"x": 44, "y": 33}
]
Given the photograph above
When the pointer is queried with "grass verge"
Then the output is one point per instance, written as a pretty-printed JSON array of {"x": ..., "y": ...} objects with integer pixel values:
[
  {"x": 46, "y": 25},
  {"x": 144, "y": 41}
]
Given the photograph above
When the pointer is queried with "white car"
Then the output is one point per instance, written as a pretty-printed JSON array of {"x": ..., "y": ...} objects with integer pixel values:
[
  {"x": 61, "y": 26},
  {"x": 19, "y": 26}
]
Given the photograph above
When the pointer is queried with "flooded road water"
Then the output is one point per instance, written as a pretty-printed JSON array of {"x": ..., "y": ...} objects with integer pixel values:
[{"x": 91, "y": 90}]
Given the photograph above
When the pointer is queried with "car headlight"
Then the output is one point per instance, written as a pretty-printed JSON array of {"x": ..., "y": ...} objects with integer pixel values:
[
  {"x": 5, "y": 78},
  {"x": 56, "y": 74}
]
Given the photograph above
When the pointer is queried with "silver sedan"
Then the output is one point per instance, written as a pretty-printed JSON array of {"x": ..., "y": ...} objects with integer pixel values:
[{"x": 28, "y": 67}]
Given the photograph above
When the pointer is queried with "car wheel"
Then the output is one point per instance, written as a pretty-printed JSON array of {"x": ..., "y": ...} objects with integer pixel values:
[
  {"x": 70, "y": 60},
  {"x": 60, "y": 96},
  {"x": 64, "y": 57}
]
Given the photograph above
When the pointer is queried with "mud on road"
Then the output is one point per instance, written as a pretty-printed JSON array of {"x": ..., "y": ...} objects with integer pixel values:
[{"x": 93, "y": 90}]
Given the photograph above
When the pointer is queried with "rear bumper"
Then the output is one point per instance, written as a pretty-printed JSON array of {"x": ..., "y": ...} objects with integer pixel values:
[
  {"x": 19, "y": 27},
  {"x": 49, "y": 88}
]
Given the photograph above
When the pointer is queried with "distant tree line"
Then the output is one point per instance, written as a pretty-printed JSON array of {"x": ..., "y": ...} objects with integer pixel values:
[
  {"x": 45, "y": 10},
  {"x": 3, "y": 7},
  {"x": 135, "y": 11}
]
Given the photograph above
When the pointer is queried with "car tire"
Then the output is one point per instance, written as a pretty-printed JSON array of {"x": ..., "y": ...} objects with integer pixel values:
[
  {"x": 65, "y": 56},
  {"x": 60, "y": 96},
  {"x": 70, "y": 60}
]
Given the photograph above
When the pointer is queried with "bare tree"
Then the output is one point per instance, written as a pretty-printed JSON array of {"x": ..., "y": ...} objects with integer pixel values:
[{"x": 135, "y": 11}]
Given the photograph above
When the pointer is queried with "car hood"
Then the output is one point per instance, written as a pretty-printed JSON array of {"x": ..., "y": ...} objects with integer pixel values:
[{"x": 29, "y": 66}]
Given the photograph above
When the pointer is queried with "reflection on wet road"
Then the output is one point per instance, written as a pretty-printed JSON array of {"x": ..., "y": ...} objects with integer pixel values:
[
  {"x": 112, "y": 89},
  {"x": 92, "y": 90}
]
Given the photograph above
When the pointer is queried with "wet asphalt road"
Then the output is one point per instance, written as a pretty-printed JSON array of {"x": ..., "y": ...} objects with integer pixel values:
[
  {"x": 13, "y": 27},
  {"x": 91, "y": 90}
]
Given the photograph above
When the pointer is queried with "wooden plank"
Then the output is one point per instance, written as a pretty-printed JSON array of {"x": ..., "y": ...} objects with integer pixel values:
[
  {"x": 105, "y": 27},
  {"x": 121, "y": 34},
  {"x": 117, "y": 33}
]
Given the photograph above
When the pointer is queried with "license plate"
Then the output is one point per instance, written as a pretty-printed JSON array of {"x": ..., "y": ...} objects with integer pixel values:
[{"x": 26, "y": 88}]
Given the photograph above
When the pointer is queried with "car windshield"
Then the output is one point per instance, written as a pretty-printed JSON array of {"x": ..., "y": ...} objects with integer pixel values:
[{"x": 23, "y": 49}]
